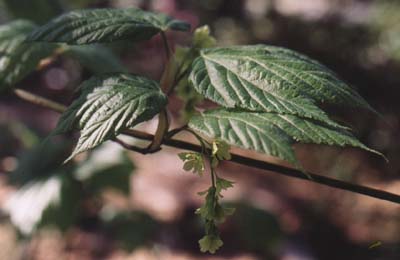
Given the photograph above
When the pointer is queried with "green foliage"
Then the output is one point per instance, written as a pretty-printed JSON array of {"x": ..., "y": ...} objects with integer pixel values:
[
  {"x": 43, "y": 202},
  {"x": 210, "y": 243},
  {"x": 109, "y": 104},
  {"x": 185, "y": 56},
  {"x": 50, "y": 194},
  {"x": 270, "y": 79},
  {"x": 269, "y": 133},
  {"x": 193, "y": 162},
  {"x": 270, "y": 99},
  {"x": 17, "y": 58},
  {"x": 106, "y": 25},
  {"x": 202, "y": 38},
  {"x": 219, "y": 152},
  {"x": 98, "y": 59},
  {"x": 212, "y": 212},
  {"x": 62, "y": 210},
  {"x": 222, "y": 184},
  {"x": 39, "y": 162},
  {"x": 107, "y": 167}
]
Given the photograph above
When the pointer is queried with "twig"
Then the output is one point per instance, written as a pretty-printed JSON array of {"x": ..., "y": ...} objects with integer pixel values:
[
  {"x": 38, "y": 100},
  {"x": 273, "y": 168},
  {"x": 134, "y": 148}
]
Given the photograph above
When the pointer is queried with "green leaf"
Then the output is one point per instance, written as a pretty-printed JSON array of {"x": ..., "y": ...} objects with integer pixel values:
[
  {"x": 220, "y": 150},
  {"x": 193, "y": 162},
  {"x": 107, "y": 167},
  {"x": 109, "y": 104},
  {"x": 210, "y": 243},
  {"x": 39, "y": 162},
  {"x": 185, "y": 57},
  {"x": 18, "y": 59},
  {"x": 51, "y": 201},
  {"x": 270, "y": 133},
  {"x": 98, "y": 59},
  {"x": 106, "y": 25},
  {"x": 223, "y": 184},
  {"x": 207, "y": 210},
  {"x": 271, "y": 79}
]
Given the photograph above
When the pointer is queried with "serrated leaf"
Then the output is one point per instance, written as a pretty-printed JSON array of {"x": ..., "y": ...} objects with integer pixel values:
[
  {"x": 106, "y": 25},
  {"x": 223, "y": 184},
  {"x": 271, "y": 79},
  {"x": 98, "y": 59},
  {"x": 270, "y": 133},
  {"x": 109, "y": 104},
  {"x": 18, "y": 59},
  {"x": 193, "y": 162}
]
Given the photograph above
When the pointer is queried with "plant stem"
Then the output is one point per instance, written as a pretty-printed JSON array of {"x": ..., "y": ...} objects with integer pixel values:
[
  {"x": 166, "y": 45},
  {"x": 212, "y": 175},
  {"x": 263, "y": 165},
  {"x": 38, "y": 100}
]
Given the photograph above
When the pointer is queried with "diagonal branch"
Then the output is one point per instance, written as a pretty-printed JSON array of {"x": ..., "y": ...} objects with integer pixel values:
[{"x": 273, "y": 168}]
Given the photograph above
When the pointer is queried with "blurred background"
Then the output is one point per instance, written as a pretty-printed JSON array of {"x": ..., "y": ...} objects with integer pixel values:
[{"x": 112, "y": 204}]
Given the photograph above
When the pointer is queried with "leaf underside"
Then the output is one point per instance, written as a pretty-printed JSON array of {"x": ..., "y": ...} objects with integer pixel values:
[
  {"x": 18, "y": 59},
  {"x": 271, "y": 79},
  {"x": 109, "y": 104},
  {"x": 270, "y": 133},
  {"x": 96, "y": 58},
  {"x": 106, "y": 25}
]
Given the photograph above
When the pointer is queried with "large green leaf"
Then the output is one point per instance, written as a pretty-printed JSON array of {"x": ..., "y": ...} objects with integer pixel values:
[
  {"x": 18, "y": 59},
  {"x": 109, "y": 104},
  {"x": 106, "y": 25},
  {"x": 271, "y": 79},
  {"x": 269, "y": 133}
]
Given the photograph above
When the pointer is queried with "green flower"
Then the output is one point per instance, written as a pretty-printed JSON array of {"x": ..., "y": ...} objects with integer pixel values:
[
  {"x": 193, "y": 162},
  {"x": 210, "y": 243}
]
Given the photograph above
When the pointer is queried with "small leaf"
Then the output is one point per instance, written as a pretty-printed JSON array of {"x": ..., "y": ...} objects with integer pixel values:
[
  {"x": 223, "y": 184},
  {"x": 109, "y": 104},
  {"x": 271, "y": 79},
  {"x": 193, "y": 162},
  {"x": 270, "y": 133},
  {"x": 220, "y": 150},
  {"x": 18, "y": 59},
  {"x": 220, "y": 213},
  {"x": 106, "y": 25},
  {"x": 210, "y": 243},
  {"x": 207, "y": 210}
]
